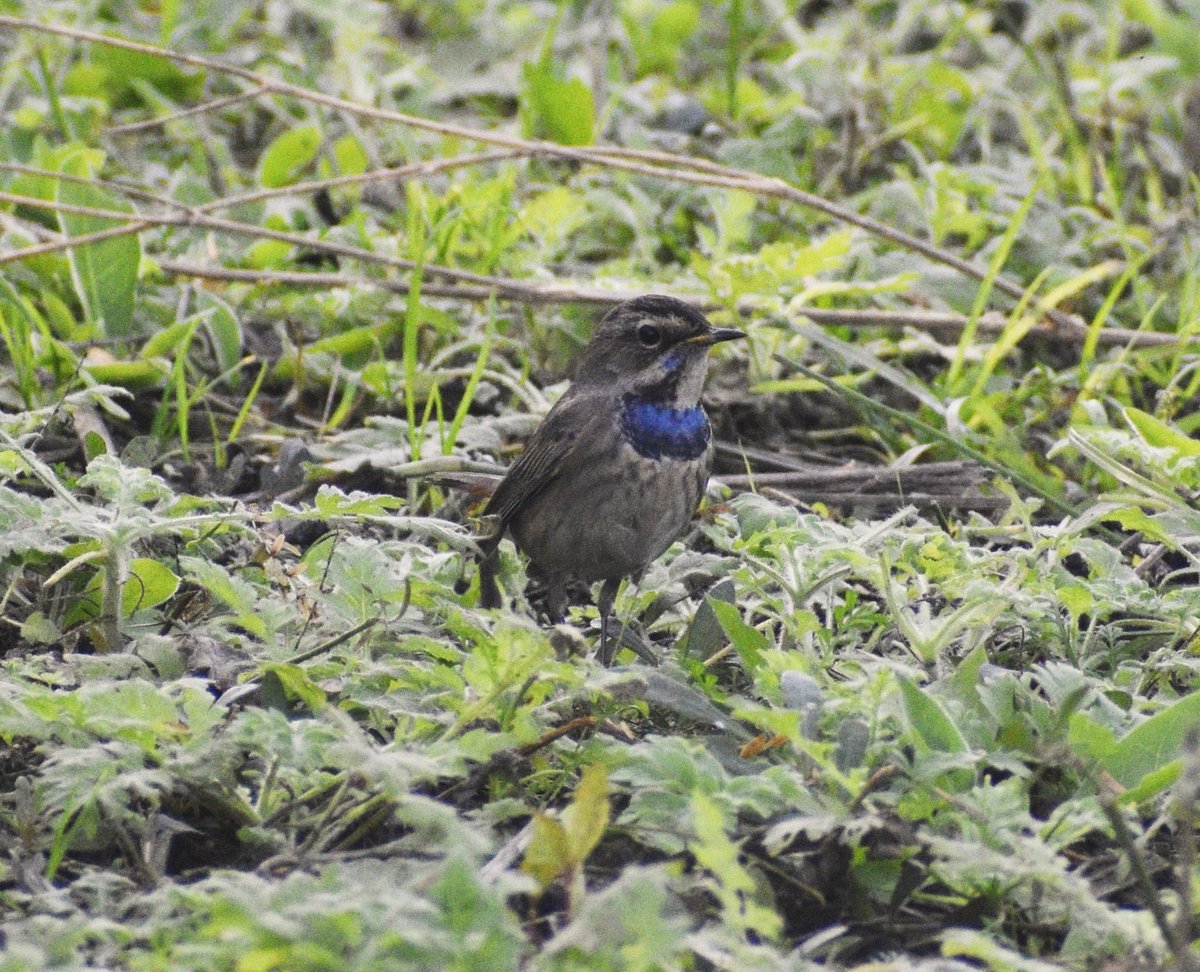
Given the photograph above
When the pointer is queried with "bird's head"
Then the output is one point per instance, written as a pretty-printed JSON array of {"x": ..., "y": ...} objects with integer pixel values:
[{"x": 654, "y": 347}]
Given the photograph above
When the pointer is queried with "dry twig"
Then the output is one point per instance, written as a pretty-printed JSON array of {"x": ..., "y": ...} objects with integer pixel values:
[{"x": 661, "y": 165}]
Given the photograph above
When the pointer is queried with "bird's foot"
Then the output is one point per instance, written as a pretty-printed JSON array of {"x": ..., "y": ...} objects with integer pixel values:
[
  {"x": 615, "y": 635},
  {"x": 606, "y": 651},
  {"x": 608, "y": 598}
]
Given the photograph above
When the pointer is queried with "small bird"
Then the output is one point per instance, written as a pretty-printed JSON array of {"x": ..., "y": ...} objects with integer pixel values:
[{"x": 614, "y": 472}]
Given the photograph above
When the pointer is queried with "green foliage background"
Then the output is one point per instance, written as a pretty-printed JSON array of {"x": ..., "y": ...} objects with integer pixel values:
[{"x": 251, "y": 716}]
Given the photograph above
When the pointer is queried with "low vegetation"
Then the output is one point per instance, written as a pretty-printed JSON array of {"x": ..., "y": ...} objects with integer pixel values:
[{"x": 282, "y": 284}]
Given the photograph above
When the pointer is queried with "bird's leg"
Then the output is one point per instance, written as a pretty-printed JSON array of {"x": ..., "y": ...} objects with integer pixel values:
[
  {"x": 491, "y": 530},
  {"x": 608, "y": 596},
  {"x": 489, "y": 590},
  {"x": 637, "y": 639},
  {"x": 556, "y": 600}
]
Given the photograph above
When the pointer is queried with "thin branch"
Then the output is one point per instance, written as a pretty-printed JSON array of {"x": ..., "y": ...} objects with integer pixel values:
[
  {"x": 864, "y": 478},
  {"x": 1145, "y": 882},
  {"x": 125, "y": 188},
  {"x": 427, "y": 167},
  {"x": 566, "y": 292},
  {"x": 414, "y": 170},
  {"x": 36, "y": 202},
  {"x": 885, "y": 501},
  {"x": 990, "y": 323},
  {"x": 61, "y": 242},
  {"x": 215, "y": 105},
  {"x": 511, "y": 290},
  {"x": 486, "y": 286},
  {"x": 682, "y": 168},
  {"x": 196, "y": 218}
]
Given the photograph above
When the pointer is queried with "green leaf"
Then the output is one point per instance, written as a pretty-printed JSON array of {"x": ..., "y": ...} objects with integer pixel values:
[
  {"x": 237, "y": 593},
  {"x": 1159, "y": 434},
  {"x": 1090, "y": 739},
  {"x": 964, "y": 683},
  {"x": 1175, "y": 31},
  {"x": 1153, "y": 744},
  {"x": 288, "y": 155},
  {"x": 657, "y": 33},
  {"x": 284, "y": 684},
  {"x": 148, "y": 585},
  {"x": 331, "y": 501},
  {"x": 732, "y": 882},
  {"x": 38, "y": 629},
  {"x": 94, "y": 445},
  {"x": 557, "y": 109},
  {"x": 749, "y": 642},
  {"x": 929, "y": 720},
  {"x": 164, "y": 342},
  {"x": 1076, "y": 598},
  {"x": 19, "y": 322},
  {"x": 268, "y": 254},
  {"x": 125, "y": 69},
  {"x": 104, "y": 273},
  {"x": 552, "y": 216},
  {"x": 224, "y": 330},
  {"x": 134, "y": 375},
  {"x": 350, "y": 156},
  {"x": 1153, "y": 783},
  {"x": 124, "y": 486}
]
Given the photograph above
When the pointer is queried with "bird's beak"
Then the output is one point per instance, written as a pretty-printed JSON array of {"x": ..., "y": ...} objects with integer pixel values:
[{"x": 716, "y": 335}]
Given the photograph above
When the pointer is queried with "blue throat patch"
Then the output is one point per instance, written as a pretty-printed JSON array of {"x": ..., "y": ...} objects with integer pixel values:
[{"x": 658, "y": 431}]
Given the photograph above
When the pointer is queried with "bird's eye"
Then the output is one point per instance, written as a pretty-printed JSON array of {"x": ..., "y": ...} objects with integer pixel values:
[{"x": 649, "y": 335}]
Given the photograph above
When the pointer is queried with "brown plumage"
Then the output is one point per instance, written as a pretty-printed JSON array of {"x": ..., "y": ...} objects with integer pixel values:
[{"x": 612, "y": 475}]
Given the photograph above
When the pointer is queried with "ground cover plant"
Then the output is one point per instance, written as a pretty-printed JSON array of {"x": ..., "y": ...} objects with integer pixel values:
[{"x": 283, "y": 284}]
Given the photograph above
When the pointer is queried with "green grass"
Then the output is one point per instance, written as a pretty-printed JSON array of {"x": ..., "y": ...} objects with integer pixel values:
[{"x": 251, "y": 716}]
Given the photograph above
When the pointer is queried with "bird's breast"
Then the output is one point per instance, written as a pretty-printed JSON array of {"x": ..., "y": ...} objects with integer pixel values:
[{"x": 656, "y": 430}]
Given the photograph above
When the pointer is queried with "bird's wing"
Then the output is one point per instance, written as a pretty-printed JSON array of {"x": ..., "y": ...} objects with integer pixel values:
[{"x": 552, "y": 443}]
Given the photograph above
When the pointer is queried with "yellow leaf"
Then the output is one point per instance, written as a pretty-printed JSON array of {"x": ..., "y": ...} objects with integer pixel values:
[
  {"x": 559, "y": 848},
  {"x": 587, "y": 816},
  {"x": 548, "y": 855}
]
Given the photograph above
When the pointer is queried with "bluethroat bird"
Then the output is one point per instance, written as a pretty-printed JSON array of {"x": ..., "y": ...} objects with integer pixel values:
[{"x": 614, "y": 472}]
